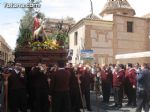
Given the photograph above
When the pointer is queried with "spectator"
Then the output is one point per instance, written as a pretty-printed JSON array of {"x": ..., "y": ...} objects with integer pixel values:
[
  {"x": 143, "y": 88},
  {"x": 118, "y": 79},
  {"x": 131, "y": 85},
  {"x": 85, "y": 86},
  {"x": 106, "y": 76}
]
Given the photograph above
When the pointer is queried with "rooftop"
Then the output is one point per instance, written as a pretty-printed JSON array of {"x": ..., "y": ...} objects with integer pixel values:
[
  {"x": 118, "y": 7},
  {"x": 92, "y": 17}
]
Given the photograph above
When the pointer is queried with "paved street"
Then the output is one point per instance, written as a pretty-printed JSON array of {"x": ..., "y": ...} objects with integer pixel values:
[{"x": 98, "y": 106}]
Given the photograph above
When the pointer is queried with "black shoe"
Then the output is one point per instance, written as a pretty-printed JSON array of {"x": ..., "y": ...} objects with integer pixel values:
[
  {"x": 113, "y": 106},
  {"x": 116, "y": 108},
  {"x": 128, "y": 104},
  {"x": 105, "y": 102},
  {"x": 133, "y": 105},
  {"x": 78, "y": 111},
  {"x": 119, "y": 106},
  {"x": 89, "y": 109}
]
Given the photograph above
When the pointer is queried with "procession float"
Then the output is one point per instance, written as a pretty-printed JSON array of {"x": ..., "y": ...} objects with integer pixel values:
[{"x": 35, "y": 44}]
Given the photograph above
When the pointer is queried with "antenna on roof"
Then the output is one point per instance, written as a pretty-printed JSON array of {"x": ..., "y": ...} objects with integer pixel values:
[{"x": 91, "y": 7}]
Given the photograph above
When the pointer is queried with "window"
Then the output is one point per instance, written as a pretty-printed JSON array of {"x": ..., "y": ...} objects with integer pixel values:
[
  {"x": 129, "y": 26},
  {"x": 76, "y": 38}
]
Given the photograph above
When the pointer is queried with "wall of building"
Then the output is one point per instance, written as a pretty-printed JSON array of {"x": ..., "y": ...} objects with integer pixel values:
[
  {"x": 134, "y": 60},
  {"x": 109, "y": 38},
  {"x": 51, "y": 25},
  {"x": 80, "y": 43},
  {"x": 130, "y": 42},
  {"x": 149, "y": 31},
  {"x": 99, "y": 38},
  {"x": 5, "y": 52}
]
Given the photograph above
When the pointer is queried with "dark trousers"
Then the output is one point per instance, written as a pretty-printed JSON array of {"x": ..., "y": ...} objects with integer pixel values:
[
  {"x": 31, "y": 99},
  {"x": 1, "y": 96},
  {"x": 118, "y": 95},
  {"x": 142, "y": 101},
  {"x": 106, "y": 89},
  {"x": 17, "y": 100},
  {"x": 131, "y": 94},
  {"x": 41, "y": 103},
  {"x": 86, "y": 94},
  {"x": 75, "y": 99},
  {"x": 61, "y": 102}
]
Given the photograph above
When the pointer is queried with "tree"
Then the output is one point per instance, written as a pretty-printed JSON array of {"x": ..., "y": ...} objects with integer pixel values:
[{"x": 26, "y": 26}]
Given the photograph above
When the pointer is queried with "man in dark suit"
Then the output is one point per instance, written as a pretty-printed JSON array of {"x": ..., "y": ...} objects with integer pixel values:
[
  {"x": 143, "y": 88},
  {"x": 40, "y": 89},
  {"x": 85, "y": 86},
  {"x": 17, "y": 89},
  {"x": 60, "y": 89},
  {"x": 74, "y": 89}
]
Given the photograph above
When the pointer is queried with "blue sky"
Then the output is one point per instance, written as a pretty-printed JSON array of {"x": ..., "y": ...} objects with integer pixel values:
[{"x": 9, "y": 19}]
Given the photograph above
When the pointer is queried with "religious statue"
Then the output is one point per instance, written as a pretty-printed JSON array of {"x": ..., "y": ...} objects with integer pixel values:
[{"x": 38, "y": 29}]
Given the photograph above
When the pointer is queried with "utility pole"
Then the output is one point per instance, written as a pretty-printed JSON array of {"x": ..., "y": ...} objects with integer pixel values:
[{"x": 91, "y": 7}]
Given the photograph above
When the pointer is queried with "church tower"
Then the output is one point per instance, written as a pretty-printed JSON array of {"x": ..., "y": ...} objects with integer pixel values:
[{"x": 121, "y": 7}]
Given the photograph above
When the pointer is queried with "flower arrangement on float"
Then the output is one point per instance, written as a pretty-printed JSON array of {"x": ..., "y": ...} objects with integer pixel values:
[
  {"x": 56, "y": 41},
  {"x": 46, "y": 45}
]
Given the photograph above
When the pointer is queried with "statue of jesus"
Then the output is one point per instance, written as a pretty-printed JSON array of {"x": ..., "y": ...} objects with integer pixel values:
[{"x": 38, "y": 31}]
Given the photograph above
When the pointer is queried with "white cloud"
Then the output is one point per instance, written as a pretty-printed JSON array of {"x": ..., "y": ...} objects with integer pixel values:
[
  {"x": 55, "y": 3},
  {"x": 9, "y": 32},
  {"x": 141, "y": 7},
  {"x": 80, "y": 8},
  {"x": 63, "y": 8}
]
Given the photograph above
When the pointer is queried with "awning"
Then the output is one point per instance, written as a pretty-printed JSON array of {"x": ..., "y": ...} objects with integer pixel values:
[{"x": 133, "y": 55}]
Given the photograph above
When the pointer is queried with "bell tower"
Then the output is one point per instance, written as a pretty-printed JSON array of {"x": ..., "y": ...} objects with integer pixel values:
[{"x": 121, "y": 7}]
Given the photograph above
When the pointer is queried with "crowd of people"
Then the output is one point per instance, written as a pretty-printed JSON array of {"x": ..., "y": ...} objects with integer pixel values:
[{"x": 64, "y": 87}]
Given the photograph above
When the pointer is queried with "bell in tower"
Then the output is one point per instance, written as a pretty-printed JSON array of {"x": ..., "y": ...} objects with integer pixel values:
[{"x": 121, "y": 7}]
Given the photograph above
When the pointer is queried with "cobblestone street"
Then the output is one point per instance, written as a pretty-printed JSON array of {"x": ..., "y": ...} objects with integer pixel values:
[{"x": 98, "y": 106}]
